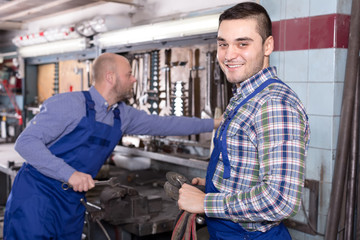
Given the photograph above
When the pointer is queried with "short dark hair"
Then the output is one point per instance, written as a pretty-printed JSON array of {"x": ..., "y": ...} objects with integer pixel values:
[{"x": 250, "y": 10}]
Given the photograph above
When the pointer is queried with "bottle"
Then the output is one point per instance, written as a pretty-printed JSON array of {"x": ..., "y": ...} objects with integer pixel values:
[{"x": 3, "y": 127}]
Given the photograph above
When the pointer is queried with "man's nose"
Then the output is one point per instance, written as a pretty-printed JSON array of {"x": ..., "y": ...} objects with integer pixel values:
[
  {"x": 134, "y": 80},
  {"x": 230, "y": 53}
]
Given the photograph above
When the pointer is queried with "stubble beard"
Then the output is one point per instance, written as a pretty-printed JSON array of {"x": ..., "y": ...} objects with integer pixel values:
[{"x": 236, "y": 78}]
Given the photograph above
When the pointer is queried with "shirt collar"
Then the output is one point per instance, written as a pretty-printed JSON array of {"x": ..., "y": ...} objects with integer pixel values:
[
  {"x": 249, "y": 85},
  {"x": 100, "y": 100}
]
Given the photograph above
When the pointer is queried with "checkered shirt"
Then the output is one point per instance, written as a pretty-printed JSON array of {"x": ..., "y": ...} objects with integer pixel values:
[{"x": 267, "y": 143}]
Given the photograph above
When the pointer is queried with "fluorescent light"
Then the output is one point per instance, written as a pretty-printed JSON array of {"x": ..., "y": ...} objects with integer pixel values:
[
  {"x": 159, "y": 31},
  {"x": 8, "y": 54},
  {"x": 186, "y": 27},
  {"x": 125, "y": 36},
  {"x": 56, "y": 47}
]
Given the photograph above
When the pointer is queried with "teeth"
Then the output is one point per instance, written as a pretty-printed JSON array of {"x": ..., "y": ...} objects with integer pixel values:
[{"x": 233, "y": 66}]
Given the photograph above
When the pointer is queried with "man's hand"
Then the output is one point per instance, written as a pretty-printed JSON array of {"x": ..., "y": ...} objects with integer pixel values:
[
  {"x": 81, "y": 182},
  {"x": 191, "y": 199},
  {"x": 198, "y": 181},
  {"x": 217, "y": 121}
]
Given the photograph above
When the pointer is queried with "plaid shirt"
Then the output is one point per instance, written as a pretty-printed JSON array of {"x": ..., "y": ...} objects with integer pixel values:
[{"x": 267, "y": 142}]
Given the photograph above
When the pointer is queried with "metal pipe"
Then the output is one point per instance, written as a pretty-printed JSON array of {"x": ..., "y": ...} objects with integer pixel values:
[
  {"x": 352, "y": 170},
  {"x": 357, "y": 193},
  {"x": 345, "y": 124}
]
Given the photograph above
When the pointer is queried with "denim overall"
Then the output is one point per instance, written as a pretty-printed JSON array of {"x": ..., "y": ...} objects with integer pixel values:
[
  {"x": 226, "y": 229},
  {"x": 38, "y": 206}
]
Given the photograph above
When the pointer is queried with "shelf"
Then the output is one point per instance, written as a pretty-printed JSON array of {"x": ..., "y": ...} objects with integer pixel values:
[{"x": 187, "y": 162}]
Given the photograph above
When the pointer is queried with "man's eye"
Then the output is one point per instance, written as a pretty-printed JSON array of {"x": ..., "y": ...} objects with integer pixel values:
[
  {"x": 243, "y": 44},
  {"x": 222, "y": 44}
]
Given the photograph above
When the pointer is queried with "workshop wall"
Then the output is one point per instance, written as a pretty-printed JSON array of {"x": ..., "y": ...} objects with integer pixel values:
[
  {"x": 311, "y": 38},
  {"x": 310, "y": 55}
]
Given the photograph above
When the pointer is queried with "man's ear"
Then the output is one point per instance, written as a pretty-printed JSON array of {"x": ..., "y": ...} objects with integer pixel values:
[
  {"x": 268, "y": 46},
  {"x": 109, "y": 77}
]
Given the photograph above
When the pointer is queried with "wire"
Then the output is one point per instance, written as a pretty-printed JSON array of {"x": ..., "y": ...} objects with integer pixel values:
[
  {"x": 308, "y": 220},
  {"x": 103, "y": 229}
]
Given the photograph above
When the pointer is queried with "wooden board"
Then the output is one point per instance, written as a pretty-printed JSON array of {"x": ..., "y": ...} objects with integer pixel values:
[
  {"x": 70, "y": 73},
  {"x": 46, "y": 76}
]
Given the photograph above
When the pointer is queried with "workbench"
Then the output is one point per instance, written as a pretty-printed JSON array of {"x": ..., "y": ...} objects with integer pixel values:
[
  {"x": 8, "y": 154},
  {"x": 148, "y": 182}
]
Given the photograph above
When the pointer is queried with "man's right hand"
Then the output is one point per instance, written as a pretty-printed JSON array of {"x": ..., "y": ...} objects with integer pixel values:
[
  {"x": 198, "y": 181},
  {"x": 81, "y": 182}
]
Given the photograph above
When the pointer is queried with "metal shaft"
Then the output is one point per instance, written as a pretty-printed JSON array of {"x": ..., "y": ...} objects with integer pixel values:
[{"x": 345, "y": 124}]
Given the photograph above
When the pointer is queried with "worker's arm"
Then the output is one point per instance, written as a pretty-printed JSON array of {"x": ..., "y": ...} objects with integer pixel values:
[
  {"x": 139, "y": 122},
  {"x": 58, "y": 115}
]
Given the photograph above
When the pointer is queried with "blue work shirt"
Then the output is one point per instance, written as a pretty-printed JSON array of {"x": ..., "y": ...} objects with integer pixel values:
[{"x": 61, "y": 113}]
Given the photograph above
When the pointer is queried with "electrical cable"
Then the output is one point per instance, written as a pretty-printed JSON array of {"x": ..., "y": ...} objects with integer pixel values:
[
  {"x": 103, "y": 229},
  {"x": 308, "y": 220}
]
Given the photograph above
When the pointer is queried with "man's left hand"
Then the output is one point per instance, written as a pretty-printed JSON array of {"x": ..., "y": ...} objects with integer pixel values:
[{"x": 191, "y": 199}]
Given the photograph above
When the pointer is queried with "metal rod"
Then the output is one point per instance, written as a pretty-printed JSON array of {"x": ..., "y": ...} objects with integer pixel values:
[
  {"x": 345, "y": 124},
  {"x": 354, "y": 154},
  {"x": 357, "y": 193}
]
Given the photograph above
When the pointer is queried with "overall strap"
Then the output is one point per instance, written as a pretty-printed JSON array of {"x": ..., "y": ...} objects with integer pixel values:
[
  {"x": 231, "y": 115},
  {"x": 90, "y": 105},
  {"x": 116, "y": 112},
  {"x": 117, "y": 119}
]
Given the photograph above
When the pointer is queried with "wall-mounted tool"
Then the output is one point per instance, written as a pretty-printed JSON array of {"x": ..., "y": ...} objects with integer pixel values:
[
  {"x": 166, "y": 110},
  {"x": 190, "y": 86},
  {"x": 196, "y": 85},
  {"x": 87, "y": 69},
  {"x": 56, "y": 79},
  {"x": 80, "y": 71},
  {"x": 178, "y": 99},
  {"x": 207, "y": 112},
  {"x": 154, "y": 82},
  {"x": 134, "y": 101},
  {"x": 144, "y": 73}
]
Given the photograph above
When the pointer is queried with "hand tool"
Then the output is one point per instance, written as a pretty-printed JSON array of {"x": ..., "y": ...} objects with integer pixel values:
[
  {"x": 80, "y": 71},
  {"x": 167, "y": 109},
  {"x": 87, "y": 68},
  {"x": 178, "y": 98},
  {"x": 190, "y": 86},
  {"x": 196, "y": 85},
  {"x": 207, "y": 112},
  {"x": 174, "y": 183},
  {"x": 219, "y": 96},
  {"x": 112, "y": 182},
  {"x": 56, "y": 78},
  {"x": 196, "y": 89},
  {"x": 143, "y": 98},
  {"x": 135, "y": 72},
  {"x": 153, "y": 92}
]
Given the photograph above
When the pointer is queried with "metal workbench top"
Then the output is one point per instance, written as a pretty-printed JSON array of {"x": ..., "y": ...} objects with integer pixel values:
[{"x": 8, "y": 154}]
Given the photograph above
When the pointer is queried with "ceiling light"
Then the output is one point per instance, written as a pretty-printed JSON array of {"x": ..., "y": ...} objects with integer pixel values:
[
  {"x": 159, "y": 31},
  {"x": 56, "y": 47}
]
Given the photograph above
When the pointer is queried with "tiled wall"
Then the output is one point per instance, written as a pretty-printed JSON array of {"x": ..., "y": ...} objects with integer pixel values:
[{"x": 311, "y": 57}]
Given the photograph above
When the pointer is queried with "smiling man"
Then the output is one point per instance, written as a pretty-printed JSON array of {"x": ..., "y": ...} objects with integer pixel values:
[{"x": 256, "y": 172}]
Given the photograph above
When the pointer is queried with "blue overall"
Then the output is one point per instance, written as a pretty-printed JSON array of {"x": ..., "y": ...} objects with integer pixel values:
[
  {"x": 38, "y": 207},
  {"x": 226, "y": 229}
]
